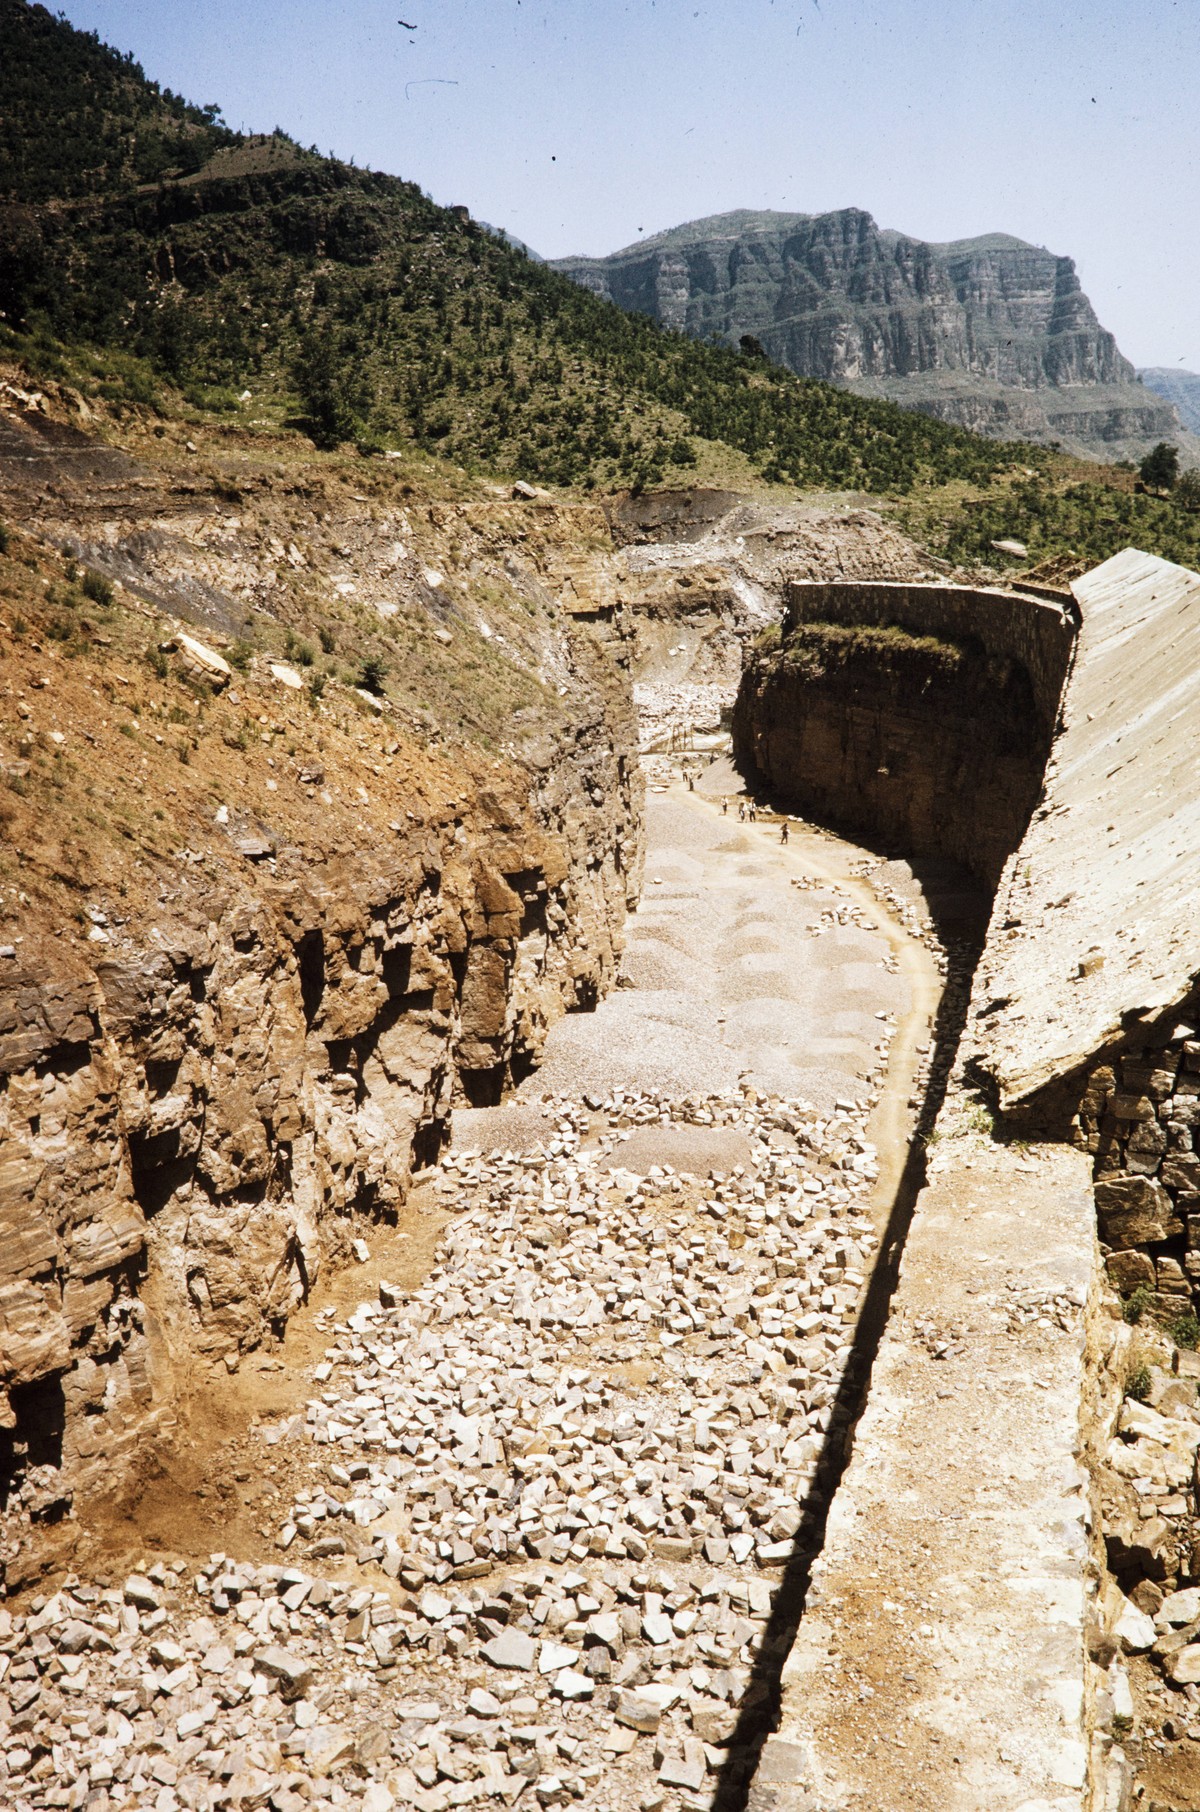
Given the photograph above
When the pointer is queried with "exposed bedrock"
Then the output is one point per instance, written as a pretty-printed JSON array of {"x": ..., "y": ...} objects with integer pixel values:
[
  {"x": 193, "y": 1127},
  {"x": 919, "y": 715},
  {"x": 990, "y": 333}
]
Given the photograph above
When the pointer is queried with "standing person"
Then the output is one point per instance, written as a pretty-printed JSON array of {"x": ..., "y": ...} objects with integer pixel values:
[
  {"x": 783, "y": 832},
  {"x": 753, "y": 813},
  {"x": 724, "y": 807},
  {"x": 741, "y": 811}
]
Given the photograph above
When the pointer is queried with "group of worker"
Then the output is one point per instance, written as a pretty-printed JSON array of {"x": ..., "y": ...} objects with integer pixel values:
[{"x": 748, "y": 811}]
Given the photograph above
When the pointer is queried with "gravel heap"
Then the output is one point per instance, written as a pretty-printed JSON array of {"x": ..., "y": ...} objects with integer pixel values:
[
  {"x": 680, "y": 709},
  {"x": 541, "y": 1505}
]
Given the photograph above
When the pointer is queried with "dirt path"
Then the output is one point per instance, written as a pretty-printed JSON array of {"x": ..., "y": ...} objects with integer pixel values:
[{"x": 821, "y": 857}]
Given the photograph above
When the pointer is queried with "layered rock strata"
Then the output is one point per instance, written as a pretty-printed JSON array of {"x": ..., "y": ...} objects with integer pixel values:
[
  {"x": 992, "y": 333},
  {"x": 922, "y": 715}
]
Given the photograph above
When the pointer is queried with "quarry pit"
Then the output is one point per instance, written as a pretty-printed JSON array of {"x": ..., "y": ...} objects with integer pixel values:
[{"x": 731, "y": 1409}]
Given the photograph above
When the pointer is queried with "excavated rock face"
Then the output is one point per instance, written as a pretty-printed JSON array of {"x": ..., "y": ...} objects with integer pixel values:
[
  {"x": 261, "y": 935},
  {"x": 920, "y": 715},
  {"x": 191, "y": 1131}
]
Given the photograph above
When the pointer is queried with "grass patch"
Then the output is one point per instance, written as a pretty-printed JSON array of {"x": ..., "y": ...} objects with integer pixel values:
[{"x": 1136, "y": 1305}]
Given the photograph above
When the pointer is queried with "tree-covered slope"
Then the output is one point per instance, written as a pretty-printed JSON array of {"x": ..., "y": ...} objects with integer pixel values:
[
  {"x": 80, "y": 119},
  {"x": 129, "y": 219}
]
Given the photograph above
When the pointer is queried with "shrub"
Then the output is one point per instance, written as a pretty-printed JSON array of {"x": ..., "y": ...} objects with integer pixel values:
[
  {"x": 4, "y": 538},
  {"x": 372, "y": 674},
  {"x": 1138, "y": 1382},
  {"x": 327, "y": 637},
  {"x": 1137, "y": 1304},
  {"x": 97, "y": 588},
  {"x": 1186, "y": 1331}
]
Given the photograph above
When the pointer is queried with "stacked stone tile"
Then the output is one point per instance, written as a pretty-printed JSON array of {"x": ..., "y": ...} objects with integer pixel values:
[{"x": 1137, "y": 1114}]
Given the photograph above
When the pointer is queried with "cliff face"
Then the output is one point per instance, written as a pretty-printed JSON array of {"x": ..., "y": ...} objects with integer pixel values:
[
  {"x": 257, "y": 934},
  {"x": 1180, "y": 388},
  {"x": 834, "y": 296},
  {"x": 920, "y": 715}
]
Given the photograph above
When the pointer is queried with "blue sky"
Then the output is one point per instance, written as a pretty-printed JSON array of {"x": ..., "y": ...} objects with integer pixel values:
[{"x": 581, "y": 124}]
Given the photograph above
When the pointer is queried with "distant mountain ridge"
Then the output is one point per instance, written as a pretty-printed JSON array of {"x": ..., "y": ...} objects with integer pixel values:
[
  {"x": 990, "y": 332},
  {"x": 1182, "y": 388}
]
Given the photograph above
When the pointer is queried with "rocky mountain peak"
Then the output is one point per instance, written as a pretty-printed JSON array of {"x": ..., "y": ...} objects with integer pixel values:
[{"x": 953, "y": 329}]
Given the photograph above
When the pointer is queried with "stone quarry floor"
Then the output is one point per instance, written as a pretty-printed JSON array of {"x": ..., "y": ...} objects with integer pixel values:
[{"x": 505, "y": 1522}]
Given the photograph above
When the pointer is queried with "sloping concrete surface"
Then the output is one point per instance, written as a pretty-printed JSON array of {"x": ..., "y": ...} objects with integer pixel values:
[
  {"x": 940, "y": 1664},
  {"x": 1095, "y": 918}
]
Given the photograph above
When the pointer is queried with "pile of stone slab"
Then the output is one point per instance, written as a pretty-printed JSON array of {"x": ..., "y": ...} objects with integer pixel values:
[{"x": 541, "y": 1505}]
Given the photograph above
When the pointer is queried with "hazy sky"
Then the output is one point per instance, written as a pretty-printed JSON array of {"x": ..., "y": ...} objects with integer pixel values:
[{"x": 580, "y": 124}]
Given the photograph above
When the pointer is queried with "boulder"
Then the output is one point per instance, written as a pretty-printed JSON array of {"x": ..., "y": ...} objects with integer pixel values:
[
  {"x": 1134, "y": 1630},
  {"x": 1129, "y": 1270},
  {"x": 1140, "y": 1550},
  {"x": 1183, "y": 1667},
  {"x": 291, "y": 1673},
  {"x": 202, "y": 662},
  {"x": 1135, "y": 1211}
]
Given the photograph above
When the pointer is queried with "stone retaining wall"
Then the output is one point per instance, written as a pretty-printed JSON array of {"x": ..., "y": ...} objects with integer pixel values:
[{"x": 1011, "y": 625}]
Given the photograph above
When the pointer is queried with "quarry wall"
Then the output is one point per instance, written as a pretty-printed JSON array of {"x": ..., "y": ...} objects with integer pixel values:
[
  {"x": 196, "y": 1123},
  {"x": 920, "y": 714}
]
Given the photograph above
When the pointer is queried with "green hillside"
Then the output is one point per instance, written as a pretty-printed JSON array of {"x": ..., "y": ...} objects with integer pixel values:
[
  {"x": 131, "y": 220},
  {"x": 147, "y": 251},
  {"x": 77, "y": 119}
]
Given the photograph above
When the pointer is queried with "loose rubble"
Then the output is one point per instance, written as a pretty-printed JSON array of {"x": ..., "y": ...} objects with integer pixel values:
[
  {"x": 1147, "y": 1650},
  {"x": 540, "y": 1505}
]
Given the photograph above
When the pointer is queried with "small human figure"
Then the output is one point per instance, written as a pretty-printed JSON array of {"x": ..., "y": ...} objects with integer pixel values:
[
  {"x": 783, "y": 832},
  {"x": 691, "y": 783},
  {"x": 753, "y": 813},
  {"x": 724, "y": 807},
  {"x": 741, "y": 811}
]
